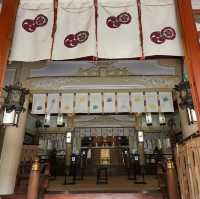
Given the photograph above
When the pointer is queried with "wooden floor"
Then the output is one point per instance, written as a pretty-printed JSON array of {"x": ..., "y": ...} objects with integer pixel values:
[{"x": 119, "y": 184}]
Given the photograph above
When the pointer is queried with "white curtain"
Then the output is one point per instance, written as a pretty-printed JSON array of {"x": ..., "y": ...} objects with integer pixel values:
[
  {"x": 137, "y": 101},
  {"x": 75, "y": 34},
  {"x": 81, "y": 103},
  {"x": 53, "y": 103},
  {"x": 67, "y": 103},
  {"x": 151, "y": 102},
  {"x": 160, "y": 28},
  {"x": 166, "y": 102},
  {"x": 32, "y": 39},
  {"x": 109, "y": 102},
  {"x": 38, "y": 106},
  {"x": 123, "y": 104},
  {"x": 96, "y": 103},
  {"x": 118, "y": 34}
]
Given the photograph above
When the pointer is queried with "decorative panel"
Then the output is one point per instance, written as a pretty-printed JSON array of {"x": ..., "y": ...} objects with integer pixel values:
[
  {"x": 81, "y": 104},
  {"x": 137, "y": 101},
  {"x": 96, "y": 103},
  {"x": 166, "y": 102},
  {"x": 123, "y": 104},
  {"x": 151, "y": 102},
  {"x": 67, "y": 103},
  {"x": 38, "y": 106},
  {"x": 109, "y": 102},
  {"x": 53, "y": 103}
]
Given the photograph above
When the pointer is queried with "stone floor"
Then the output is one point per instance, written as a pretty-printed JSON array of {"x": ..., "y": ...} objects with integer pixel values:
[
  {"x": 116, "y": 184},
  {"x": 96, "y": 196}
]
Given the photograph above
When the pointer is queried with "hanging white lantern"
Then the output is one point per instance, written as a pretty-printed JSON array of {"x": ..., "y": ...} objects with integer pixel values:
[
  {"x": 162, "y": 119},
  {"x": 68, "y": 137},
  {"x": 60, "y": 120},
  {"x": 140, "y": 136},
  {"x": 148, "y": 119},
  {"x": 47, "y": 120},
  {"x": 9, "y": 117}
]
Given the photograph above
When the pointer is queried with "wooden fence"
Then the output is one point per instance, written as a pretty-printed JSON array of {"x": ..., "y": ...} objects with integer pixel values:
[{"x": 188, "y": 167}]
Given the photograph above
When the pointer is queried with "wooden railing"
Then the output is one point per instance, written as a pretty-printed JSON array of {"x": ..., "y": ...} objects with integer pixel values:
[{"x": 188, "y": 164}]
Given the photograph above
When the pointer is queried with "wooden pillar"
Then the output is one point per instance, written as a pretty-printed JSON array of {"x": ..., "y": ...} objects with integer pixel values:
[
  {"x": 33, "y": 184},
  {"x": 7, "y": 23},
  {"x": 172, "y": 181},
  {"x": 192, "y": 50}
]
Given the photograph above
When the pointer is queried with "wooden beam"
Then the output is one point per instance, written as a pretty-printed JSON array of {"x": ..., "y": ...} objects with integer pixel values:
[
  {"x": 7, "y": 23},
  {"x": 192, "y": 50}
]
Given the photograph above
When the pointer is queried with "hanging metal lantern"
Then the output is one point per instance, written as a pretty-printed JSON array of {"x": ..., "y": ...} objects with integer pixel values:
[
  {"x": 162, "y": 119},
  {"x": 140, "y": 136},
  {"x": 149, "y": 119},
  {"x": 185, "y": 94},
  {"x": 13, "y": 103},
  {"x": 47, "y": 120},
  {"x": 60, "y": 120}
]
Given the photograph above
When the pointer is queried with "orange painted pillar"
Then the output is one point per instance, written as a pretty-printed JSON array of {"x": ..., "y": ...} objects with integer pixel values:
[
  {"x": 7, "y": 23},
  {"x": 172, "y": 181},
  {"x": 34, "y": 179},
  {"x": 192, "y": 50}
]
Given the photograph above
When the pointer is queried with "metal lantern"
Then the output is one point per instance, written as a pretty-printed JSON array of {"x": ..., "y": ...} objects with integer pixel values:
[
  {"x": 68, "y": 137},
  {"x": 60, "y": 120},
  {"x": 140, "y": 136},
  {"x": 13, "y": 103},
  {"x": 185, "y": 94},
  {"x": 47, "y": 120},
  {"x": 192, "y": 117},
  {"x": 148, "y": 119},
  {"x": 162, "y": 119}
]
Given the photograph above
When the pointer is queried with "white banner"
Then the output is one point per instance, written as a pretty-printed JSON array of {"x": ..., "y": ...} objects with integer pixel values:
[
  {"x": 81, "y": 103},
  {"x": 123, "y": 104},
  {"x": 118, "y": 29},
  {"x": 195, "y": 4},
  {"x": 67, "y": 103},
  {"x": 137, "y": 101},
  {"x": 109, "y": 102},
  {"x": 38, "y": 106},
  {"x": 53, "y": 103},
  {"x": 161, "y": 35},
  {"x": 96, "y": 103},
  {"x": 151, "y": 102},
  {"x": 75, "y": 35},
  {"x": 32, "y": 39},
  {"x": 166, "y": 102}
]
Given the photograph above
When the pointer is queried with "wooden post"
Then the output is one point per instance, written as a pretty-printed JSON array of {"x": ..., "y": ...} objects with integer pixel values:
[
  {"x": 7, "y": 23},
  {"x": 192, "y": 50},
  {"x": 33, "y": 185},
  {"x": 172, "y": 181}
]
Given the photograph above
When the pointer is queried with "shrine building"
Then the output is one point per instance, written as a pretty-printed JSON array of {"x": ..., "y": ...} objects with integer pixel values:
[{"x": 99, "y": 99}]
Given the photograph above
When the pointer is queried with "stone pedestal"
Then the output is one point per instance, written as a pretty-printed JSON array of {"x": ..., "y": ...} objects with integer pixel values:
[{"x": 11, "y": 151}]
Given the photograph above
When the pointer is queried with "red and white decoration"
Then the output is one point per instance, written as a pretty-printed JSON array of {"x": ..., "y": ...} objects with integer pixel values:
[
  {"x": 75, "y": 35},
  {"x": 161, "y": 34},
  {"x": 118, "y": 34},
  {"x": 111, "y": 29},
  {"x": 32, "y": 37}
]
